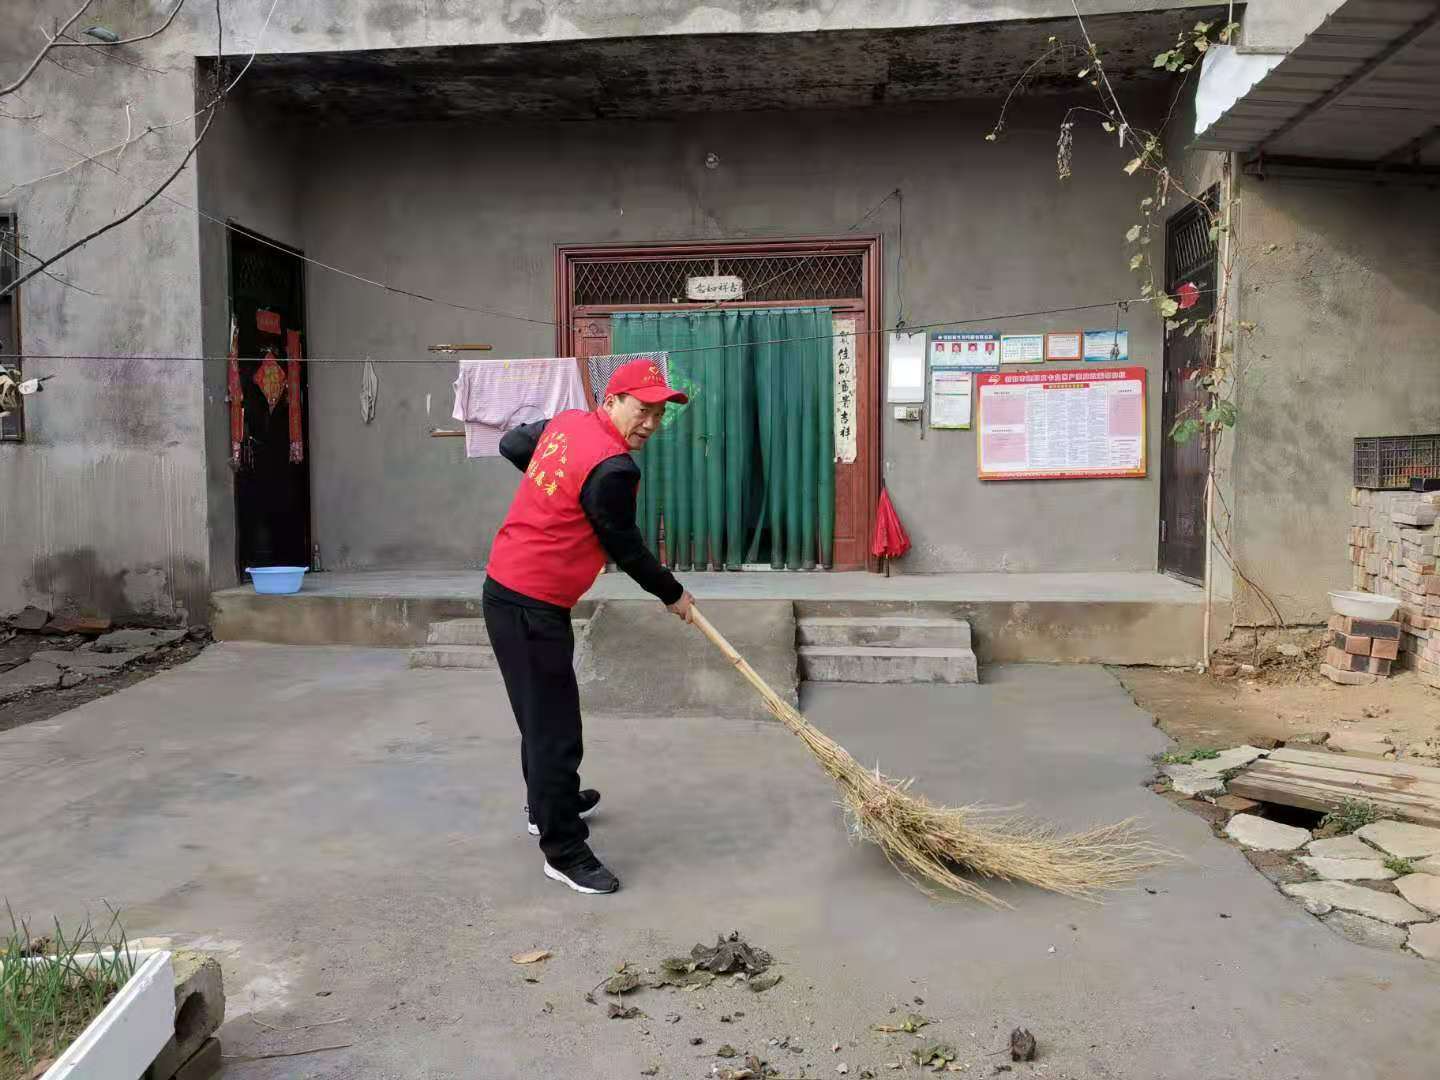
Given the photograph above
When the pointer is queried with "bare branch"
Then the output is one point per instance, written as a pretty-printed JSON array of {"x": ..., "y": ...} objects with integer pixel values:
[
  {"x": 53, "y": 277},
  {"x": 45, "y": 51},
  {"x": 72, "y": 43},
  {"x": 103, "y": 229}
]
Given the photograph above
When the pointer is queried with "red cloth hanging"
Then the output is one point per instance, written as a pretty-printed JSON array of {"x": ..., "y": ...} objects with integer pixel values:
[
  {"x": 292, "y": 378},
  {"x": 235, "y": 395},
  {"x": 890, "y": 540}
]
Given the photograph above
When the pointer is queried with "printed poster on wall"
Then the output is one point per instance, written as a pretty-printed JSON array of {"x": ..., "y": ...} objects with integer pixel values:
[
  {"x": 843, "y": 352},
  {"x": 973, "y": 350},
  {"x": 1061, "y": 425},
  {"x": 950, "y": 395},
  {"x": 1022, "y": 348},
  {"x": 1107, "y": 346}
]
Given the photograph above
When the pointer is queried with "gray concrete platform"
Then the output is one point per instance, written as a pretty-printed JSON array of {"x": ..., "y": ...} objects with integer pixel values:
[
  {"x": 346, "y": 833},
  {"x": 1110, "y": 618}
]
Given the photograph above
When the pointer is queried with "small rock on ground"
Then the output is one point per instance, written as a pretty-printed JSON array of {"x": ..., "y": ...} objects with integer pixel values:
[
  {"x": 1425, "y": 940},
  {"x": 1363, "y": 931},
  {"x": 1341, "y": 847},
  {"x": 1402, "y": 839},
  {"x": 1350, "y": 869},
  {"x": 1422, "y": 890},
  {"x": 1387, "y": 907},
  {"x": 72, "y": 678},
  {"x": 1262, "y": 834}
]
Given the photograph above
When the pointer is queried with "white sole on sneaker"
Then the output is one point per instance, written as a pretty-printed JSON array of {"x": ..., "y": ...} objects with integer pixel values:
[
  {"x": 558, "y": 875},
  {"x": 534, "y": 830}
]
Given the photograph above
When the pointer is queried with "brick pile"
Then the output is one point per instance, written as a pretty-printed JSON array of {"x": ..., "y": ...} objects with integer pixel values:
[
  {"x": 1360, "y": 650},
  {"x": 1394, "y": 543}
]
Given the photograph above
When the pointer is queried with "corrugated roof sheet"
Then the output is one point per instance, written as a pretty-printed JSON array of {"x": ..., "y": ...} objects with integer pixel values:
[{"x": 1365, "y": 86}]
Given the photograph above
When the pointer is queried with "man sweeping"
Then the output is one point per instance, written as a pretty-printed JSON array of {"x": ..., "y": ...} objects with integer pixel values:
[{"x": 575, "y": 507}]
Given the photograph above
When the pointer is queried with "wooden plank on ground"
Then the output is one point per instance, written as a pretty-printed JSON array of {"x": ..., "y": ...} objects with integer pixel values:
[
  {"x": 1316, "y": 787},
  {"x": 1326, "y": 760}
]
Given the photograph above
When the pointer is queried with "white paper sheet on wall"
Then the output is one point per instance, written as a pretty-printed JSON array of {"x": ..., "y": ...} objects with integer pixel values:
[{"x": 905, "y": 368}]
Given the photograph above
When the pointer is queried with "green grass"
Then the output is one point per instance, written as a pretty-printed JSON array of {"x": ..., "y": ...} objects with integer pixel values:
[
  {"x": 47, "y": 996},
  {"x": 1351, "y": 815},
  {"x": 1400, "y": 867},
  {"x": 1201, "y": 754}
]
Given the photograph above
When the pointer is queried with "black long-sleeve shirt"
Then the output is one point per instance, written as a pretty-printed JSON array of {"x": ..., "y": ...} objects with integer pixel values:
[{"x": 608, "y": 499}]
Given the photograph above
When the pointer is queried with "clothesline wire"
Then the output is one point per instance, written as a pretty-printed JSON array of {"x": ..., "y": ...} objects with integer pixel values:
[{"x": 915, "y": 328}]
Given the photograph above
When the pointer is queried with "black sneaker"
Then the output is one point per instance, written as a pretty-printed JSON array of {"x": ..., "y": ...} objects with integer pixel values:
[
  {"x": 586, "y": 876},
  {"x": 589, "y": 802}
]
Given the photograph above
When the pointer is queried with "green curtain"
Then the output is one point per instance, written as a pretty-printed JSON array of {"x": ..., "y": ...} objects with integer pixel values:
[{"x": 745, "y": 472}]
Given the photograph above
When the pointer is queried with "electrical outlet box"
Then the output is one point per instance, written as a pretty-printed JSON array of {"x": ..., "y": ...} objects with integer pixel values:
[{"x": 907, "y": 413}]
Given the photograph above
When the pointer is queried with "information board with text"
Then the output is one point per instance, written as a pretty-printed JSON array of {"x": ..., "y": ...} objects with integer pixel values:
[{"x": 1061, "y": 425}]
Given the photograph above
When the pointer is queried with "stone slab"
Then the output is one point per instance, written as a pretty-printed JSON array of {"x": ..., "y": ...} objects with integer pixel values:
[
  {"x": 1341, "y": 847},
  {"x": 1425, "y": 940},
  {"x": 77, "y": 624},
  {"x": 28, "y": 677},
  {"x": 1429, "y": 866},
  {"x": 898, "y": 631},
  {"x": 87, "y": 661},
  {"x": 31, "y": 619},
  {"x": 1259, "y": 833},
  {"x": 1347, "y": 678},
  {"x": 1363, "y": 931},
  {"x": 476, "y": 657},
  {"x": 1190, "y": 780},
  {"x": 1349, "y": 869},
  {"x": 1387, "y": 907},
  {"x": 1402, "y": 839},
  {"x": 204, "y": 1063},
  {"x": 1422, "y": 890},
  {"x": 880, "y": 664},
  {"x": 123, "y": 640},
  {"x": 1236, "y": 804},
  {"x": 199, "y": 1012}
]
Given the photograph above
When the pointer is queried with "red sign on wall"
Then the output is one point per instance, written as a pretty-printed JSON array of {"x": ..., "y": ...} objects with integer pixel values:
[{"x": 267, "y": 322}]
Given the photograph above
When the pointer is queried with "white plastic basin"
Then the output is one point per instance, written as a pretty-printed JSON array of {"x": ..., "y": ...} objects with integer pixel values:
[{"x": 1364, "y": 605}]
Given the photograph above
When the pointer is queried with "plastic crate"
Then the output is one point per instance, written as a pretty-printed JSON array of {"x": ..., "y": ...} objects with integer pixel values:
[{"x": 1389, "y": 462}]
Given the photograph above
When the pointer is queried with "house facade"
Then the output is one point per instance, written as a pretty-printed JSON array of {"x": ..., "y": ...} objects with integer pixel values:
[{"x": 383, "y": 178}]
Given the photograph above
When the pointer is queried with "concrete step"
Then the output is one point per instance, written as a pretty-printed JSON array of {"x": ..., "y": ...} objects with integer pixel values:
[
  {"x": 896, "y": 631},
  {"x": 879, "y": 664},
  {"x": 472, "y": 632},
  {"x": 479, "y": 657}
]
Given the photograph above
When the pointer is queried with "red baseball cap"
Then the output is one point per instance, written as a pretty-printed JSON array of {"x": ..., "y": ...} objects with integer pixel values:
[{"x": 643, "y": 379}]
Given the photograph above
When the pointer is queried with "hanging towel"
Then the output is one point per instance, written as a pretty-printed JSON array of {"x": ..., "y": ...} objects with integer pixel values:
[
  {"x": 369, "y": 392},
  {"x": 493, "y": 396},
  {"x": 600, "y": 368}
]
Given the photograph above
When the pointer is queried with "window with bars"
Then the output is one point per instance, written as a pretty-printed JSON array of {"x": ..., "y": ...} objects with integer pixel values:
[
  {"x": 12, "y": 425},
  {"x": 773, "y": 278}
]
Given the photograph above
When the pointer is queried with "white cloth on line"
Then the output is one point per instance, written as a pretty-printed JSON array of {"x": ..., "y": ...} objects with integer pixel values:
[{"x": 493, "y": 396}]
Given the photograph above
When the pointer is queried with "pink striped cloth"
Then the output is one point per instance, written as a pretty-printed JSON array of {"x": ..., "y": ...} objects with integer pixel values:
[{"x": 493, "y": 396}]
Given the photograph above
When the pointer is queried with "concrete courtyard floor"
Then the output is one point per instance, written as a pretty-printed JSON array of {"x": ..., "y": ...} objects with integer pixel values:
[{"x": 346, "y": 834}]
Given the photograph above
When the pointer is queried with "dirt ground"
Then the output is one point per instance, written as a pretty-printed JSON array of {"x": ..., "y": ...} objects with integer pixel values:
[
  {"x": 1199, "y": 710},
  {"x": 44, "y": 704}
]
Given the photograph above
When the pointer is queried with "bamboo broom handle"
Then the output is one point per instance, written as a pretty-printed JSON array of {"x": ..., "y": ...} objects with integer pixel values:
[{"x": 752, "y": 676}]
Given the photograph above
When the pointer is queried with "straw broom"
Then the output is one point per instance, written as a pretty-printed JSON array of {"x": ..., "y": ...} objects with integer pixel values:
[{"x": 934, "y": 845}]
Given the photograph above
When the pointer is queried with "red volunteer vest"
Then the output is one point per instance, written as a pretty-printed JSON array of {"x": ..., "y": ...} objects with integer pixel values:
[{"x": 546, "y": 548}]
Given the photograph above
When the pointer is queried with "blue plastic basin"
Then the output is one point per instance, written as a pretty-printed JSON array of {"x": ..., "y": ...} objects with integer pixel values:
[{"x": 280, "y": 580}]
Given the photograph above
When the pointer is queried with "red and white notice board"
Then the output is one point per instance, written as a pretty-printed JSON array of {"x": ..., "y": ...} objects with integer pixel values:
[{"x": 1061, "y": 425}]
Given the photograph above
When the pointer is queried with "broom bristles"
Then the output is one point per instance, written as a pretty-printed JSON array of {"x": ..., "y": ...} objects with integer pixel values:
[{"x": 935, "y": 845}]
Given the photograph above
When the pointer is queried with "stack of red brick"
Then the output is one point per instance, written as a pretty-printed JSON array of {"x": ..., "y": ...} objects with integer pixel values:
[
  {"x": 1394, "y": 543},
  {"x": 1361, "y": 650}
]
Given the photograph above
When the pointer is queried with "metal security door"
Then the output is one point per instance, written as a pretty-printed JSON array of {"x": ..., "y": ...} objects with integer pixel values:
[{"x": 1190, "y": 256}]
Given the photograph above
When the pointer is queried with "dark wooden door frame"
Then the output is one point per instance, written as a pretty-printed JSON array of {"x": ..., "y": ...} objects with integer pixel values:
[
  {"x": 868, "y": 246},
  {"x": 232, "y": 229}
]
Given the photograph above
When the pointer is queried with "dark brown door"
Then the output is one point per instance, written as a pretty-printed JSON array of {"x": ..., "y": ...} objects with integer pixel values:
[
  {"x": 1190, "y": 257},
  {"x": 272, "y": 488}
]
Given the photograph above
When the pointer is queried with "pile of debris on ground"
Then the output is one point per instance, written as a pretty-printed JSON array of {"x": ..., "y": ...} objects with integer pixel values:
[
  {"x": 1340, "y": 824},
  {"x": 40, "y": 653}
]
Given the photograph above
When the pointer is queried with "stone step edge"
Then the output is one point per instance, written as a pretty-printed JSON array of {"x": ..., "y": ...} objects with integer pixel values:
[
  {"x": 423, "y": 655},
  {"x": 885, "y": 652},
  {"x": 465, "y": 626},
  {"x": 880, "y": 620}
]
